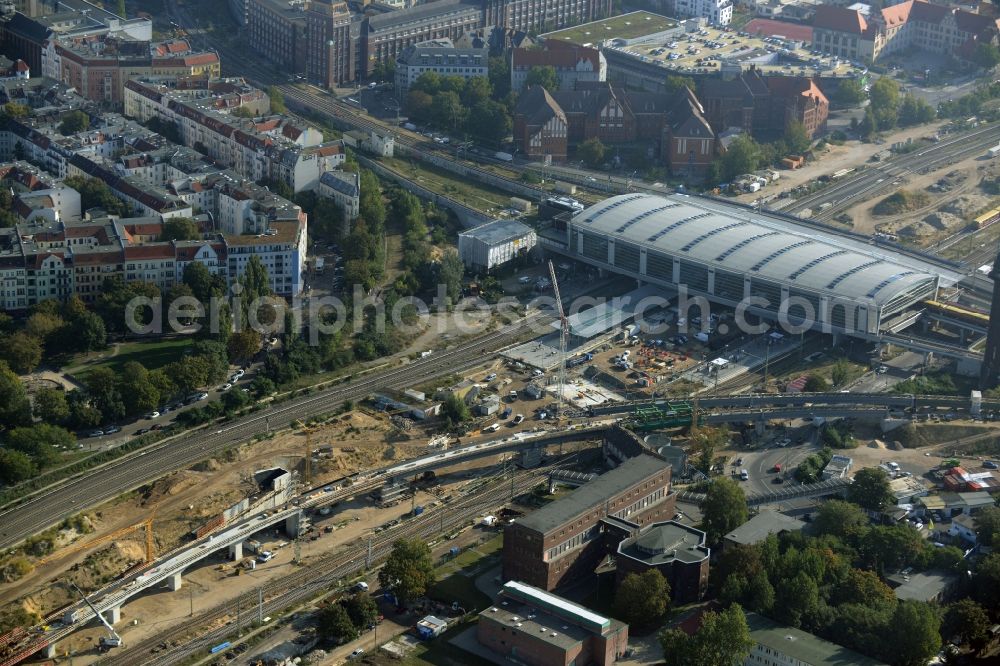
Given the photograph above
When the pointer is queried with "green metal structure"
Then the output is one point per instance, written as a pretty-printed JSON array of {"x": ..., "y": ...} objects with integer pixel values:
[{"x": 660, "y": 415}]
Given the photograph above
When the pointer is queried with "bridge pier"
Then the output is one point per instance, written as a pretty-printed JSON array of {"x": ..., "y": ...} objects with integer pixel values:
[
  {"x": 113, "y": 615},
  {"x": 50, "y": 651},
  {"x": 174, "y": 582},
  {"x": 236, "y": 551},
  {"x": 292, "y": 524}
]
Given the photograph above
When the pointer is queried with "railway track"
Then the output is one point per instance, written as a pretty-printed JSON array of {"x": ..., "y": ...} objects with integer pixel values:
[
  {"x": 46, "y": 509},
  {"x": 319, "y": 575}
]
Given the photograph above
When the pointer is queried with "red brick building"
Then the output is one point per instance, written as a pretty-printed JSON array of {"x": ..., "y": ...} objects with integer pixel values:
[
  {"x": 566, "y": 540},
  {"x": 764, "y": 106},
  {"x": 673, "y": 125},
  {"x": 527, "y": 625},
  {"x": 676, "y": 550}
]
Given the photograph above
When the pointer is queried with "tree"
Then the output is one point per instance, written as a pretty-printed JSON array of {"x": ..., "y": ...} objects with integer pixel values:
[
  {"x": 121, "y": 8},
  {"x": 591, "y": 152},
  {"x": 179, "y": 228},
  {"x": 138, "y": 393},
  {"x": 243, "y": 345},
  {"x": 22, "y": 352},
  {"x": 544, "y": 76},
  {"x": 869, "y": 124},
  {"x": 642, "y": 599},
  {"x": 968, "y": 621},
  {"x": 362, "y": 610},
  {"x": 202, "y": 283},
  {"x": 796, "y": 138},
  {"x": 477, "y": 89},
  {"x": 884, "y": 94},
  {"x": 722, "y": 640},
  {"x": 451, "y": 272},
  {"x": 455, "y": 410},
  {"x": 914, "y": 634},
  {"x": 102, "y": 387},
  {"x": 850, "y": 92},
  {"x": 50, "y": 406},
  {"x": 986, "y": 55},
  {"x": 408, "y": 571},
  {"x": 14, "y": 406},
  {"x": 760, "y": 596},
  {"x": 333, "y": 623},
  {"x": 418, "y": 104},
  {"x": 95, "y": 193},
  {"x": 864, "y": 588},
  {"x": 870, "y": 489},
  {"x": 815, "y": 384},
  {"x": 490, "y": 122},
  {"x": 675, "y": 84},
  {"x": 42, "y": 325},
  {"x": 742, "y": 156},
  {"x": 499, "y": 76},
  {"x": 447, "y": 110},
  {"x": 372, "y": 206},
  {"x": 839, "y": 518},
  {"x": 277, "y": 100},
  {"x": 73, "y": 122},
  {"x": 704, "y": 442},
  {"x": 915, "y": 111},
  {"x": 41, "y": 441},
  {"x": 16, "y": 466},
  {"x": 891, "y": 547},
  {"x": 840, "y": 373},
  {"x": 723, "y": 509},
  {"x": 986, "y": 582},
  {"x": 988, "y": 526},
  {"x": 796, "y": 599}
]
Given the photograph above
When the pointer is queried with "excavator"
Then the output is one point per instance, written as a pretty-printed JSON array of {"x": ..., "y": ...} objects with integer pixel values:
[{"x": 113, "y": 640}]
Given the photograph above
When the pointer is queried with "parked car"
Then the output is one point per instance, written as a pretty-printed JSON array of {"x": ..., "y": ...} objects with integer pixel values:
[
  {"x": 96, "y": 433},
  {"x": 110, "y": 430},
  {"x": 989, "y": 464}
]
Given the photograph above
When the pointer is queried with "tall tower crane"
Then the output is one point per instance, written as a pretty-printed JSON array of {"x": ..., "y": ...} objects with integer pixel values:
[
  {"x": 146, "y": 524},
  {"x": 113, "y": 640},
  {"x": 563, "y": 335}
]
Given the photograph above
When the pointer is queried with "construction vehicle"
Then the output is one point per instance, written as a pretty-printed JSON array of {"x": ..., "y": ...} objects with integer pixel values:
[{"x": 113, "y": 640}]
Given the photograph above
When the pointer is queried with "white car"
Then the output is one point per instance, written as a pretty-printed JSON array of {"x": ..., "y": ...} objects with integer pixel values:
[
  {"x": 490, "y": 377},
  {"x": 493, "y": 427},
  {"x": 225, "y": 387},
  {"x": 517, "y": 419},
  {"x": 357, "y": 653},
  {"x": 153, "y": 415}
]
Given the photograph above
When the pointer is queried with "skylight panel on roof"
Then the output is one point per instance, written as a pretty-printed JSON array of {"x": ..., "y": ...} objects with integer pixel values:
[
  {"x": 643, "y": 216},
  {"x": 846, "y": 274},
  {"x": 886, "y": 282},
  {"x": 667, "y": 229},
  {"x": 816, "y": 262},
  {"x": 743, "y": 243},
  {"x": 711, "y": 233},
  {"x": 777, "y": 253},
  {"x": 613, "y": 206}
]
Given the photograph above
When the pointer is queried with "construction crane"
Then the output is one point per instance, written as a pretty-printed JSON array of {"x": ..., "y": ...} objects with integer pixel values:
[
  {"x": 563, "y": 335},
  {"x": 147, "y": 524},
  {"x": 113, "y": 640}
]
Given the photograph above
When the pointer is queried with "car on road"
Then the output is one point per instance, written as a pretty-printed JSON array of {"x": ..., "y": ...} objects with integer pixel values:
[
  {"x": 778, "y": 479},
  {"x": 357, "y": 653},
  {"x": 490, "y": 377},
  {"x": 96, "y": 433},
  {"x": 327, "y": 489},
  {"x": 783, "y": 442},
  {"x": 517, "y": 419},
  {"x": 493, "y": 427},
  {"x": 110, "y": 430},
  {"x": 142, "y": 431},
  {"x": 744, "y": 475},
  {"x": 153, "y": 415},
  {"x": 225, "y": 387},
  {"x": 989, "y": 464},
  {"x": 776, "y": 468},
  {"x": 739, "y": 462}
]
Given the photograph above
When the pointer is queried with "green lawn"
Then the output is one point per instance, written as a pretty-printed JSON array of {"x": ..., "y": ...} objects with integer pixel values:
[
  {"x": 460, "y": 588},
  {"x": 469, "y": 560},
  {"x": 627, "y": 26},
  {"x": 152, "y": 354}
]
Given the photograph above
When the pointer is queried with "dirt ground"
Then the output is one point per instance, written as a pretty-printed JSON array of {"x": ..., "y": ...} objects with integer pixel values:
[{"x": 852, "y": 154}]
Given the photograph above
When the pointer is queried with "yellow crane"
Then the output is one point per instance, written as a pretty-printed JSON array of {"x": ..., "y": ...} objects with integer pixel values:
[{"x": 146, "y": 524}]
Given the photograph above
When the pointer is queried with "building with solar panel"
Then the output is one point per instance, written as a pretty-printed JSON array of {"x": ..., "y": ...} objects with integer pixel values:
[{"x": 794, "y": 273}]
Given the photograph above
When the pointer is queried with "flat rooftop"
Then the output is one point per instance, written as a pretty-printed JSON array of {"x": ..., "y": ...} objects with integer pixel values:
[
  {"x": 498, "y": 231},
  {"x": 762, "y": 525},
  {"x": 592, "y": 494},
  {"x": 666, "y": 542},
  {"x": 615, "y": 312},
  {"x": 803, "y": 647},
  {"x": 704, "y": 52},
  {"x": 626, "y": 26}
]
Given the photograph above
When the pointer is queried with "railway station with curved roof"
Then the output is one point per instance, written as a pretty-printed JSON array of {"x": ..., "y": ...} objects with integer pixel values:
[{"x": 729, "y": 253}]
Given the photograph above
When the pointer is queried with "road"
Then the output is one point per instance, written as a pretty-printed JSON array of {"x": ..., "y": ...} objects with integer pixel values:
[{"x": 49, "y": 508}]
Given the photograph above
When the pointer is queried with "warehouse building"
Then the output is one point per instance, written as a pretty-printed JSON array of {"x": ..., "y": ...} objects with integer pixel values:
[
  {"x": 530, "y": 626},
  {"x": 495, "y": 243},
  {"x": 565, "y": 540},
  {"x": 799, "y": 275}
]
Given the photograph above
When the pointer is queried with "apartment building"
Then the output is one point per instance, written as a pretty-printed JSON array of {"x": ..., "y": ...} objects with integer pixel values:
[
  {"x": 98, "y": 69},
  {"x": 344, "y": 187},
  {"x": 572, "y": 64},
  {"x": 441, "y": 57},
  {"x": 715, "y": 12},
  {"x": 24, "y": 35},
  {"x": 848, "y": 33},
  {"x": 271, "y": 147},
  {"x": 278, "y": 30},
  {"x": 566, "y": 539}
]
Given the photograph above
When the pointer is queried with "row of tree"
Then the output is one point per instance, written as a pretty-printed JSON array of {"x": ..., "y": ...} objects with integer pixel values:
[
  {"x": 462, "y": 106},
  {"x": 53, "y": 330}
]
